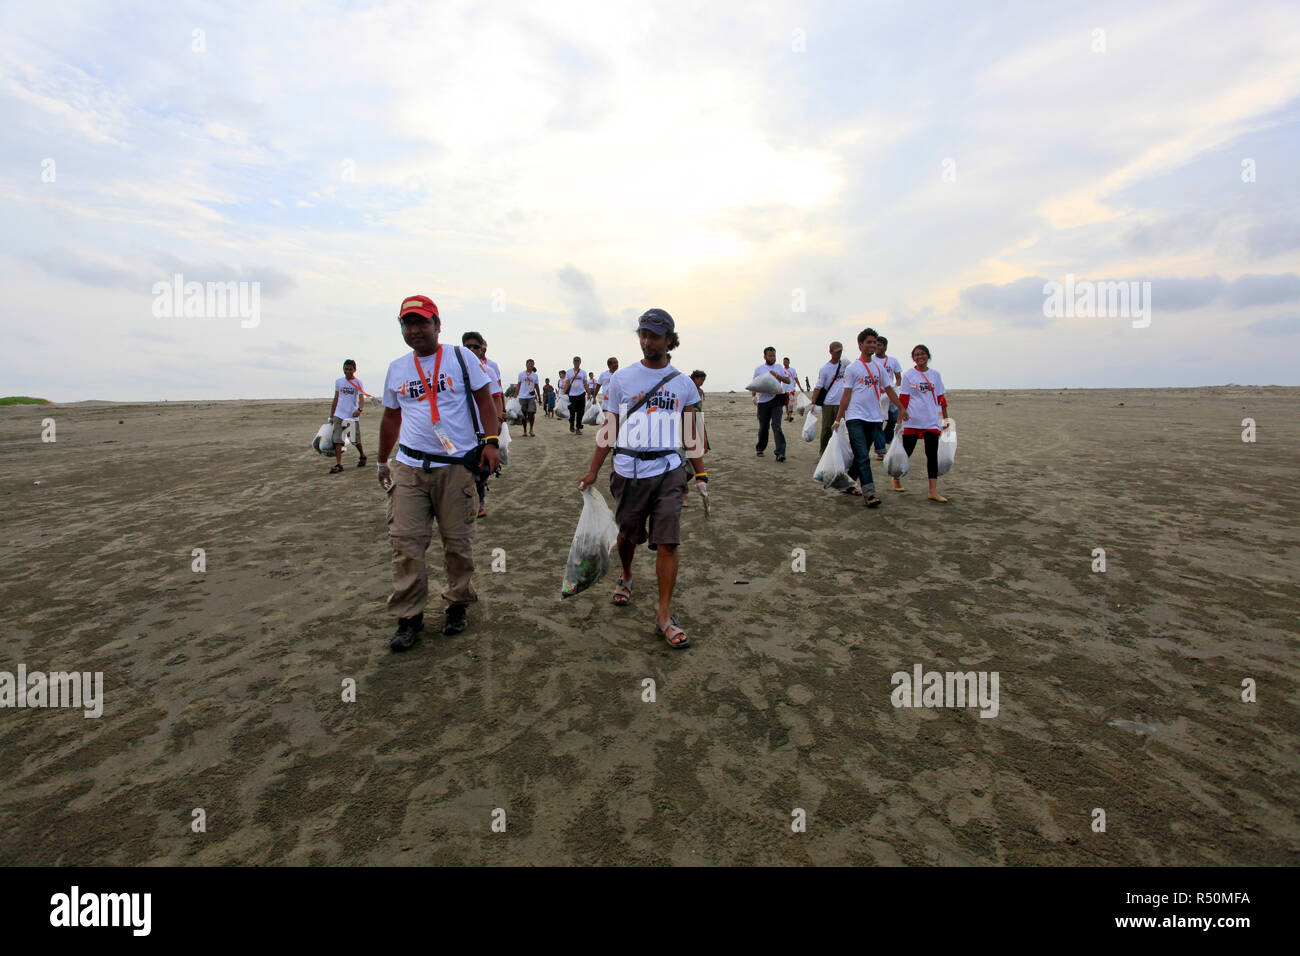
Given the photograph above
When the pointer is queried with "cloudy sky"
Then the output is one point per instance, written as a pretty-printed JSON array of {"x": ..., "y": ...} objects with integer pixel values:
[{"x": 770, "y": 173}]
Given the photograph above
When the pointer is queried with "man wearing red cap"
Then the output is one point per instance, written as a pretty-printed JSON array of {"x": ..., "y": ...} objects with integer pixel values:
[{"x": 437, "y": 407}]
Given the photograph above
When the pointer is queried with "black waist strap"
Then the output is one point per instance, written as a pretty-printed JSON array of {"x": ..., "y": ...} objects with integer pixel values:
[
  {"x": 645, "y": 455},
  {"x": 469, "y": 459}
]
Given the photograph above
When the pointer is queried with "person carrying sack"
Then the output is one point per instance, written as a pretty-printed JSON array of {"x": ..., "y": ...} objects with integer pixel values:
[
  {"x": 437, "y": 403},
  {"x": 651, "y": 415}
]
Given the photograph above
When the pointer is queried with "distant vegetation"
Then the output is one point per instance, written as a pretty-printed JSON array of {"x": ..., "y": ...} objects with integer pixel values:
[{"x": 23, "y": 400}]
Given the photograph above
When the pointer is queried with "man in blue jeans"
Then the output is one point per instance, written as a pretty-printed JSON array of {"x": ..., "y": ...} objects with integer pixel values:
[{"x": 864, "y": 382}]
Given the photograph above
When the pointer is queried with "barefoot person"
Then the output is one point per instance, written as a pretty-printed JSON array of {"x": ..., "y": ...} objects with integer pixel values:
[
  {"x": 770, "y": 407},
  {"x": 345, "y": 412},
  {"x": 650, "y": 416},
  {"x": 528, "y": 395},
  {"x": 437, "y": 401},
  {"x": 925, "y": 407},
  {"x": 859, "y": 409},
  {"x": 894, "y": 376}
]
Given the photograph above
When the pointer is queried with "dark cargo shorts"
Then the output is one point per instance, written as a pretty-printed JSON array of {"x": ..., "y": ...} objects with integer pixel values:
[{"x": 656, "y": 500}]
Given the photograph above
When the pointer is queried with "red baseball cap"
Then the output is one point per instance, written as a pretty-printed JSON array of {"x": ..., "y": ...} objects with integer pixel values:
[{"x": 420, "y": 305}]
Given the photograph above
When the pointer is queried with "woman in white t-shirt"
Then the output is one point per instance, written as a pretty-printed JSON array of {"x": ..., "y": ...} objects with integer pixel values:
[{"x": 922, "y": 394}]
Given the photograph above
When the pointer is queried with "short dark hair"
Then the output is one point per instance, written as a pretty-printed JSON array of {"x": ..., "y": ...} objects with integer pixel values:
[
  {"x": 881, "y": 338},
  {"x": 923, "y": 348},
  {"x": 612, "y": 358},
  {"x": 770, "y": 348},
  {"x": 464, "y": 339},
  {"x": 862, "y": 336},
  {"x": 698, "y": 373},
  {"x": 347, "y": 362}
]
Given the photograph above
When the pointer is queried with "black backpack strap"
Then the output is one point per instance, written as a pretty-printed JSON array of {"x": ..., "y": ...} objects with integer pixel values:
[{"x": 469, "y": 394}]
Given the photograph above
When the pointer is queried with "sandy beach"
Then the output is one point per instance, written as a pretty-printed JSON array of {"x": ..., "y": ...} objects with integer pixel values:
[{"x": 223, "y": 689}]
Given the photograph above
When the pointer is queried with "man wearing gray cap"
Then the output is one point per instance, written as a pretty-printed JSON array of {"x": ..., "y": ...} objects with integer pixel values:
[{"x": 650, "y": 417}]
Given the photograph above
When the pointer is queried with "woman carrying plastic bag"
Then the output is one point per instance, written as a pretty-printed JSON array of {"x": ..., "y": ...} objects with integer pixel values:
[
  {"x": 595, "y": 537},
  {"x": 922, "y": 394}
]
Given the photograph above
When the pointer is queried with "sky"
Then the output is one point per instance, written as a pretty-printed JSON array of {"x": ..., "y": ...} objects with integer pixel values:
[{"x": 770, "y": 173}]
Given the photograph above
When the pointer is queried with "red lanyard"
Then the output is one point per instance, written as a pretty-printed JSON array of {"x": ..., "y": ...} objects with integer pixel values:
[
  {"x": 356, "y": 383},
  {"x": 875, "y": 380},
  {"x": 933, "y": 396},
  {"x": 431, "y": 392}
]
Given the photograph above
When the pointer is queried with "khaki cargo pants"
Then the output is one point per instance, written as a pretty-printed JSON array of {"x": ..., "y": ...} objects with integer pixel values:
[{"x": 417, "y": 498}]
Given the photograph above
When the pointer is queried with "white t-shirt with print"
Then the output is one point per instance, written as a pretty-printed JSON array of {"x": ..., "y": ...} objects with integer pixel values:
[
  {"x": 867, "y": 383},
  {"x": 603, "y": 381},
  {"x": 923, "y": 407},
  {"x": 494, "y": 373},
  {"x": 403, "y": 389},
  {"x": 791, "y": 386},
  {"x": 764, "y": 397},
  {"x": 656, "y": 425},
  {"x": 527, "y": 382},
  {"x": 348, "y": 393},
  {"x": 833, "y": 393},
  {"x": 892, "y": 368},
  {"x": 575, "y": 382}
]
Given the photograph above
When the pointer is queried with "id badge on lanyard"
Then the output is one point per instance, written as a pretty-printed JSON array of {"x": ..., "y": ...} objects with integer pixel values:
[{"x": 432, "y": 391}]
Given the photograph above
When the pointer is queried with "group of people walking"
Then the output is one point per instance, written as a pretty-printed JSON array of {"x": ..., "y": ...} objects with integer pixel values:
[
  {"x": 851, "y": 394},
  {"x": 439, "y": 443}
]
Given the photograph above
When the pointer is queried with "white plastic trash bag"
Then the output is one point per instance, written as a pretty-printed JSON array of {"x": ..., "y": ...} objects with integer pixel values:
[
  {"x": 947, "y": 447},
  {"x": 885, "y": 405},
  {"x": 802, "y": 402},
  {"x": 836, "y": 459},
  {"x": 589, "y": 416},
  {"x": 765, "y": 384},
  {"x": 324, "y": 440},
  {"x": 503, "y": 443},
  {"x": 562, "y": 405},
  {"x": 896, "y": 457},
  {"x": 810, "y": 424},
  {"x": 595, "y": 537},
  {"x": 600, "y": 419},
  {"x": 514, "y": 411}
]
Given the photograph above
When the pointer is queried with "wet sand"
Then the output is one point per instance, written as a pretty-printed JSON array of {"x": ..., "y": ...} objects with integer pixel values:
[{"x": 223, "y": 688}]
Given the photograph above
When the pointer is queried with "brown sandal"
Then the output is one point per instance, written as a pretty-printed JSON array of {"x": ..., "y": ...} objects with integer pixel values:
[
  {"x": 673, "y": 629},
  {"x": 624, "y": 591}
]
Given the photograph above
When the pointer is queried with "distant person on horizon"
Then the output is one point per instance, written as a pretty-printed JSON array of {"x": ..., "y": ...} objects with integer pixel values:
[
  {"x": 548, "y": 398},
  {"x": 648, "y": 478},
  {"x": 345, "y": 412},
  {"x": 528, "y": 394},
  {"x": 770, "y": 406},
  {"x": 437, "y": 401},
  {"x": 791, "y": 387},
  {"x": 574, "y": 384},
  {"x": 926, "y": 406}
]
